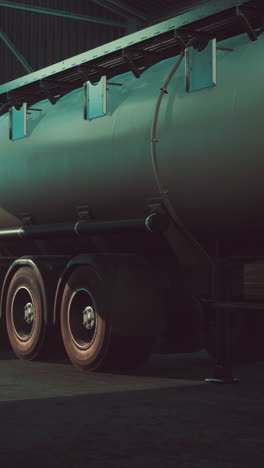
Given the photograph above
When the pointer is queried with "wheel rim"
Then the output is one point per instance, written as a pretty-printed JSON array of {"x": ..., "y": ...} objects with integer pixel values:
[
  {"x": 23, "y": 314},
  {"x": 82, "y": 318}
]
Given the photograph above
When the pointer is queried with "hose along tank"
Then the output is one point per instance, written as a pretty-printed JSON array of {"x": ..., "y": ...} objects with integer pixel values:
[{"x": 209, "y": 153}]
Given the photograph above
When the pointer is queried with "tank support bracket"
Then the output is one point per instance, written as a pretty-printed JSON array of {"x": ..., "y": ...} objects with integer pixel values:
[
  {"x": 199, "y": 39},
  {"x": 26, "y": 219},
  {"x": 84, "y": 213},
  {"x": 49, "y": 95},
  {"x": 224, "y": 370},
  {"x": 245, "y": 21},
  {"x": 129, "y": 58}
]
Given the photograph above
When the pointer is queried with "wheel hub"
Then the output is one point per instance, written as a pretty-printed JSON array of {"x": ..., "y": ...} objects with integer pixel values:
[
  {"x": 82, "y": 318},
  {"x": 23, "y": 313},
  {"x": 29, "y": 313},
  {"x": 88, "y": 318}
]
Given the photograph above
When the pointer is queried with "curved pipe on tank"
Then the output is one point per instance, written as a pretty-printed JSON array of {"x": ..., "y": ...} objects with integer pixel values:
[{"x": 154, "y": 140}]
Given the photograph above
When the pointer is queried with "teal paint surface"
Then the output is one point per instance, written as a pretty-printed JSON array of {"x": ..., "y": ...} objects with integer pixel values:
[{"x": 210, "y": 150}]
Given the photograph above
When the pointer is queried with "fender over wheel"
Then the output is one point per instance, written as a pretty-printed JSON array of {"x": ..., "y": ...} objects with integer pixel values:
[
  {"x": 25, "y": 313},
  {"x": 86, "y": 330}
]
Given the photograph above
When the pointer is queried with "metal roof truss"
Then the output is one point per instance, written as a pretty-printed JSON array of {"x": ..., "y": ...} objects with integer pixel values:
[{"x": 135, "y": 52}]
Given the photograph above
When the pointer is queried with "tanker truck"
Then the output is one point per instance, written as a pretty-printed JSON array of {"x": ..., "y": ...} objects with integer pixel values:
[{"x": 131, "y": 183}]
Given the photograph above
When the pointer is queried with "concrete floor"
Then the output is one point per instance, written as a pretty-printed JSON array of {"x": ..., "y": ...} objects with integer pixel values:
[{"x": 163, "y": 415}]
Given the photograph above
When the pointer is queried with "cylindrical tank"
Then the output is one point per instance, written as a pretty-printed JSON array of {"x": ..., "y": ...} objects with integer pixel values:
[{"x": 210, "y": 150}]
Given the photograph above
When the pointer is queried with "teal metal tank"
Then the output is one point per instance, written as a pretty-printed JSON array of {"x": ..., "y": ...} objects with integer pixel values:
[{"x": 210, "y": 150}]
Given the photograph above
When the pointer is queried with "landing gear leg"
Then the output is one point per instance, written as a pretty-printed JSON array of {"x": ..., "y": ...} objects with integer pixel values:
[{"x": 224, "y": 370}]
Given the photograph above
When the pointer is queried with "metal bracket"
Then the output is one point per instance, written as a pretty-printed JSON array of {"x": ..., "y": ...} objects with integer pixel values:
[
  {"x": 18, "y": 122},
  {"x": 129, "y": 58},
  {"x": 85, "y": 72},
  {"x": 245, "y": 21},
  {"x": 52, "y": 99},
  {"x": 84, "y": 213},
  {"x": 95, "y": 99},
  {"x": 155, "y": 205},
  {"x": 179, "y": 37},
  {"x": 114, "y": 84},
  {"x": 155, "y": 208},
  {"x": 150, "y": 58},
  {"x": 199, "y": 39},
  {"x": 26, "y": 219},
  {"x": 13, "y": 102},
  {"x": 31, "y": 109},
  {"x": 200, "y": 67}
]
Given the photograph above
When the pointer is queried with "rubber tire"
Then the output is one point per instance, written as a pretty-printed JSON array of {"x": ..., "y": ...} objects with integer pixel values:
[
  {"x": 93, "y": 357},
  {"x": 108, "y": 351},
  {"x": 32, "y": 348}
]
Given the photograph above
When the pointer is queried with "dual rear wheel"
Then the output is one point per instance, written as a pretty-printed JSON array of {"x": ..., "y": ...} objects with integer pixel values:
[
  {"x": 84, "y": 321},
  {"x": 26, "y": 313},
  {"x": 86, "y": 331},
  {"x": 83, "y": 317}
]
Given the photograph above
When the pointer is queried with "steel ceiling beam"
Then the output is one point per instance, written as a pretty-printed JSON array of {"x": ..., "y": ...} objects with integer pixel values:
[
  {"x": 121, "y": 9},
  {"x": 15, "y": 52},
  {"x": 133, "y": 40},
  {"x": 62, "y": 14}
]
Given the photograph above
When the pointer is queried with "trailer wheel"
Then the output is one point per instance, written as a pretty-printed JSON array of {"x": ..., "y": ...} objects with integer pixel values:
[
  {"x": 85, "y": 326},
  {"x": 25, "y": 316}
]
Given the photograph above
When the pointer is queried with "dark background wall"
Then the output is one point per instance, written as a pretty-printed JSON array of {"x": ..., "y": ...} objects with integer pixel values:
[{"x": 44, "y": 39}]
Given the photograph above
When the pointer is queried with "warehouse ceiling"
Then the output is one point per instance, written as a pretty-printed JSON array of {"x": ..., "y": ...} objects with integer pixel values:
[
  {"x": 38, "y": 33},
  {"x": 156, "y": 10}
]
